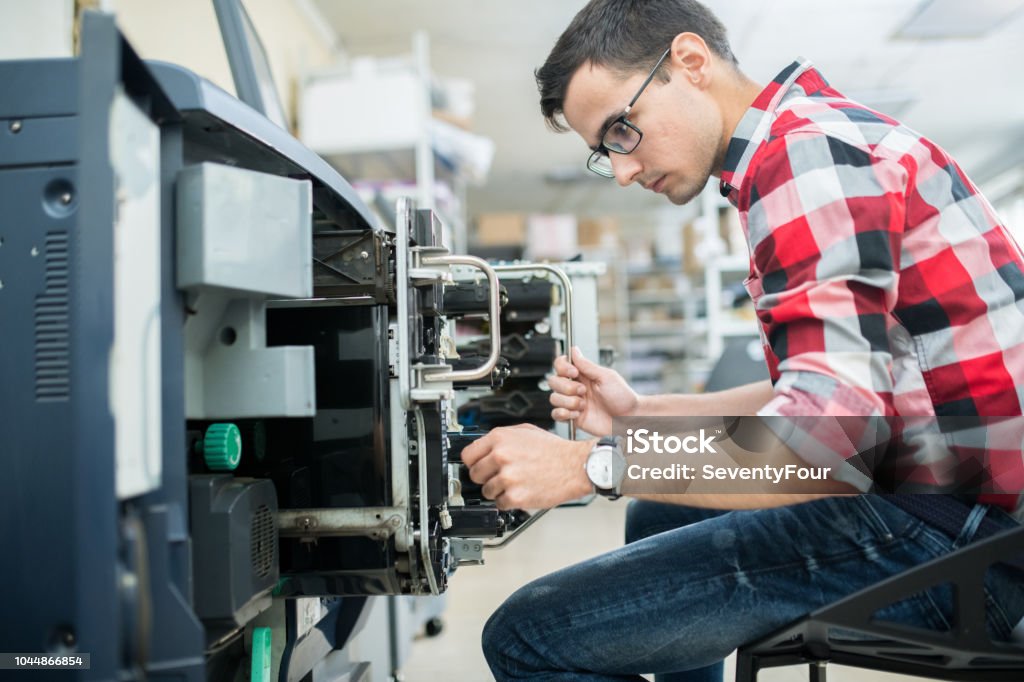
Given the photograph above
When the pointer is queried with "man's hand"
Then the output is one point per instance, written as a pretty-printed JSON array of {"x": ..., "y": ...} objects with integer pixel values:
[
  {"x": 590, "y": 394},
  {"x": 525, "y": 467}
]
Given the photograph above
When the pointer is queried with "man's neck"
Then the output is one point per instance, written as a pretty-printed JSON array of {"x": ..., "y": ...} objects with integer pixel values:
[{"x": 738, "y": 94}]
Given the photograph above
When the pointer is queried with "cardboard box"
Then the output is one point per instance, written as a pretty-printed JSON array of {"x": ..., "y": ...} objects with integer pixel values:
[
  {"x": 691, "y": 241},
  {"x": 598, "y": 232},
  {"x": 501, "y": 229}
]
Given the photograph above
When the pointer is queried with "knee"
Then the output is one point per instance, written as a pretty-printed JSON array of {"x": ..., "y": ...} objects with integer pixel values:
[
  {"x": 507, "y": 638},
  {"x": 498, "y": 633},
  {"x": 494, "y": 640}
]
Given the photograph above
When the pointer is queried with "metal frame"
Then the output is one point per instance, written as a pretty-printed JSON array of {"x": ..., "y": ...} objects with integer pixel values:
[
  {"x": 963, "y": 653},
  {"x": 567, "y": 302}
]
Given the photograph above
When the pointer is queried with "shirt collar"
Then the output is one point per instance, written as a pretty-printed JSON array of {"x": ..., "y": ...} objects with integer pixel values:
[{"x": 755, "y": 125}]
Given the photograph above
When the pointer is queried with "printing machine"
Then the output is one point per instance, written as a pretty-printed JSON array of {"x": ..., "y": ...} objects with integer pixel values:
[{"x": 229, "y": 395}]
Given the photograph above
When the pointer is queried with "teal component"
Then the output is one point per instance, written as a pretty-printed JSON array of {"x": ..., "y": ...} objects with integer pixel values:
[
  {"x": 261, "y": 655},
  {"x": 222, "y": 447}
]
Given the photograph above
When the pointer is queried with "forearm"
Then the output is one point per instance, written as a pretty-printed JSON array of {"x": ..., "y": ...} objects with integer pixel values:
[{"x": 734, "y": 402}]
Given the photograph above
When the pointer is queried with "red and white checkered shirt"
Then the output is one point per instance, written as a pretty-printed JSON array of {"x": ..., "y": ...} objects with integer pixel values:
[{"x": 884, "y": 282}]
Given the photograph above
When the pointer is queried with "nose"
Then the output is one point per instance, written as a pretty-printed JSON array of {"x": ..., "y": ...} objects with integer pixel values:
[{"x": 626, "y": 167}]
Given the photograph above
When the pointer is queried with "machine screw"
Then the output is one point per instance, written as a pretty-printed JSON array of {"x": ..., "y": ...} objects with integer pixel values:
[
  {"x": 364, "y": 255},
  {"x": 15, "y": 126}
]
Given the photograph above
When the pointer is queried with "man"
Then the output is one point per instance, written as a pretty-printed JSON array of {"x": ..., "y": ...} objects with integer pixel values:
[{"x": 885, "y": 287}]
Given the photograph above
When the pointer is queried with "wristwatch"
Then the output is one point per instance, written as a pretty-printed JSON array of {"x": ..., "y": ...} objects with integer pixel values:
[{"x": 606, "y": 467}]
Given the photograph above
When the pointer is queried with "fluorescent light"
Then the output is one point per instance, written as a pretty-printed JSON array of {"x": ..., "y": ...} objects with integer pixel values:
[{"x": 939, "y": 19}]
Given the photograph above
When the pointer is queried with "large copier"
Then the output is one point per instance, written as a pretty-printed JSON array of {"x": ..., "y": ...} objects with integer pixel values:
[{"x": 232, "y": 400}]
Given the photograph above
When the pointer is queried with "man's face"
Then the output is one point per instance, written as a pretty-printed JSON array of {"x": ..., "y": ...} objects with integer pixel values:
[{"x": 682, "y": 127}]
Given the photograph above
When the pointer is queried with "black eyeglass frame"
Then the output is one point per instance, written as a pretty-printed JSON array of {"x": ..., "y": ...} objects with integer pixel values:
[{"x": 603, "y": 149}]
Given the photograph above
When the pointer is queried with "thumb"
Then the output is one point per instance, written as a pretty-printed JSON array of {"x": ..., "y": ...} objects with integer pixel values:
[{"x": 586, "y": 367}]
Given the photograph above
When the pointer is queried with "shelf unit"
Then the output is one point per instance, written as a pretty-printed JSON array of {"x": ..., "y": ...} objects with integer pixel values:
[
  {"x": 373, "y": 120},
  {"x": 720, "y": 324}
]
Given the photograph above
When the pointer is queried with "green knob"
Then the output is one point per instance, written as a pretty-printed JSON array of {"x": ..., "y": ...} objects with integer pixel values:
[
  {"x": 262, "y": 654},
  {"x": 222, "y": 447}
]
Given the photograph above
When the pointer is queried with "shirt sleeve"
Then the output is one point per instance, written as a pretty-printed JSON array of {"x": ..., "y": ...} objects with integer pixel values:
[{"x": 825, "y": 223}]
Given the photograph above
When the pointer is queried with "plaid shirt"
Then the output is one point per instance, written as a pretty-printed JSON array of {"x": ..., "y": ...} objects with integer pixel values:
[{"x": 883, "y": 281}]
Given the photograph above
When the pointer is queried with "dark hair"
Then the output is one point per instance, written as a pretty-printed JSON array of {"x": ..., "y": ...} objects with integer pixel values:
[{"x": 625, "y": 36}]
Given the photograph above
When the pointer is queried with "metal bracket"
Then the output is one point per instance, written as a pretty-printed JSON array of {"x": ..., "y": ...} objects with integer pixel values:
[
  {"x": 372, "y": 522},
  {"x": 467, "y": 551}
]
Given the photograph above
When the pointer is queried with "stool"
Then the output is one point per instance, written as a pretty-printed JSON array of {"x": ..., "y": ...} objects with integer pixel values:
[{"x": 963, "y": 653}]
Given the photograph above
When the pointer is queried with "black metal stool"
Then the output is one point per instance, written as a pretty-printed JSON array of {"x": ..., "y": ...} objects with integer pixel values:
[{"x": 963, "y": 653}]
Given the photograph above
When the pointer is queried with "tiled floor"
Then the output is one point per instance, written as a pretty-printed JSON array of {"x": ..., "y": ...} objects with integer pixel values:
[{"x": 564, "y": 537}]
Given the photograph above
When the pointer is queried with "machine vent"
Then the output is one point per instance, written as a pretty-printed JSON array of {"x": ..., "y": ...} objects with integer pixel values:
[
  {"x": 263, "y": 539},
  {"x": 52, "y": 324}
]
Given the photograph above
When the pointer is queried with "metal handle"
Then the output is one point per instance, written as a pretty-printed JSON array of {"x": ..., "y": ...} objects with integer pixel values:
[
  {"x": 493, "y": 310},
  {"x": 503, "y": 542}
]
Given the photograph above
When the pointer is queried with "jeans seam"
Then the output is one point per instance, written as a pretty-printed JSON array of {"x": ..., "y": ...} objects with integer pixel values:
[
  {"x": 875, "y": 519},
  {"x": 939, "y": 618},
  {"x": 1000, "y": 620}
]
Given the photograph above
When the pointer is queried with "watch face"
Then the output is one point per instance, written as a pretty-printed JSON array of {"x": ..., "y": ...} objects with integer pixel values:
[{"x": 599, "y": 467}]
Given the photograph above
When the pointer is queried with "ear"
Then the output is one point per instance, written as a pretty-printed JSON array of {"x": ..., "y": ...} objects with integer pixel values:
[{"x": 691, "y": 59}]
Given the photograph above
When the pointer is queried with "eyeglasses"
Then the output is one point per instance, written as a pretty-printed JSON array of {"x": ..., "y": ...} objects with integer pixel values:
[{"x": 621, "y": 136}]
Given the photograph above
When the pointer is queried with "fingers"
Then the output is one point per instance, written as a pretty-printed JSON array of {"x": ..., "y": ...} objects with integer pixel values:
[
  {"x": 566, "y": 386},
  {"x": 504, "y": 502},
  {"x": 564, "y": 368},
  {"x": 494, "y": 488},
  {"x": 484, "y": 470},
  {"x": 569, "y": 402},
  {"x": 560, "y": 414},
  {"x": 579, "y": 367},
  {"x": 583, "y": 365},
  {"x": 477, "y": 450}
]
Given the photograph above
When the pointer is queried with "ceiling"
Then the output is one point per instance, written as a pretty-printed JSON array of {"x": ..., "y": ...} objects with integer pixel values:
[{"x": 963, "y": 93}]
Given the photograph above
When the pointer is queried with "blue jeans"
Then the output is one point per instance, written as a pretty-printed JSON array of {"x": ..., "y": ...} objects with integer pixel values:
[{"x": 693, "y": 585}]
